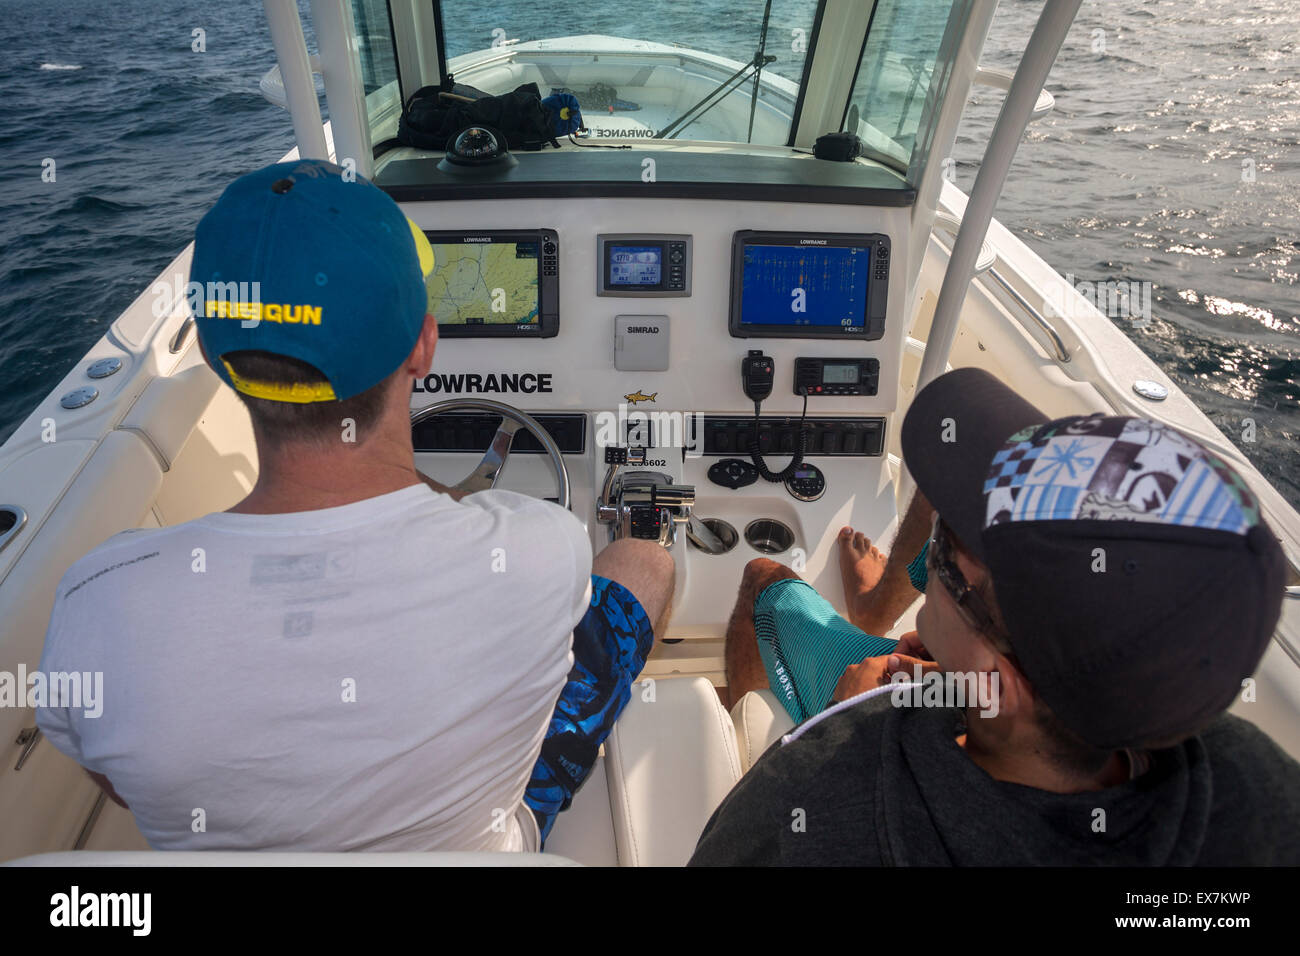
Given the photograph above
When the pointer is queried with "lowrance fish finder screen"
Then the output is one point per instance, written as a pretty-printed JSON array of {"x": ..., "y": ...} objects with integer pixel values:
[
  {"x": 635, "y": 265},
  {"x": 493, "y": 283},
  {"x": 805, "y": 285},
  {"x": 809, "y": 286}
]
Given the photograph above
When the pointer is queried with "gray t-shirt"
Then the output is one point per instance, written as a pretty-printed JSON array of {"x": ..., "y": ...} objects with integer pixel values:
[{"x": 878, "y": 785}]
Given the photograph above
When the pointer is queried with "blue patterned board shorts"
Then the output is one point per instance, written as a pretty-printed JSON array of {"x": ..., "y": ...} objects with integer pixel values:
[{"x": 610, "y": 646}]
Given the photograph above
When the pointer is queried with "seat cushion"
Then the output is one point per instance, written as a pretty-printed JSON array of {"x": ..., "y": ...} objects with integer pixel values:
[
  {"x": 670, "y": 760},
  {"x": 585, "y": 832},
  {"x": 760, "y": 720}
]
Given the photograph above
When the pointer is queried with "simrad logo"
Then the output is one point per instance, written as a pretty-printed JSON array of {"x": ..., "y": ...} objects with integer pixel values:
[
  {"x": 651, "y": 329},
  {"x": 519, "y": 382}
]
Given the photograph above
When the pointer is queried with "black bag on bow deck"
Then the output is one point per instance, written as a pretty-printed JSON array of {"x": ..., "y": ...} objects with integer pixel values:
[{"x": 429, "y": 120}]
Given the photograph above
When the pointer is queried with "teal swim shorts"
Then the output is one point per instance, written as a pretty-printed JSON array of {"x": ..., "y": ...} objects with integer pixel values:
[{"x": 806, "y": 645}]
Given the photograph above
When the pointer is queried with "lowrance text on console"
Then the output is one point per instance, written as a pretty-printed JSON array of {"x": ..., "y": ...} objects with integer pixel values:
[{"x": 526, "y": 382}]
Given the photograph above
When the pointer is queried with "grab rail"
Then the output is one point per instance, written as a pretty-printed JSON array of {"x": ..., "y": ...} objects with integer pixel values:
[
  {"x": 1058, "y": 343},
  {"x": 182, "y": 335},
  {"x": 12, "y": 519}
]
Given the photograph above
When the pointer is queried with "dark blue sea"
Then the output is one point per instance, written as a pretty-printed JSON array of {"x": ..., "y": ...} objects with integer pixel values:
[{"x": 1138, "y": 175}]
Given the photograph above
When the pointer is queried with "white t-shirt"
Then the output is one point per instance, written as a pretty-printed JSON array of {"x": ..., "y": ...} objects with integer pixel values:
[{"x": 377, "y": 676}]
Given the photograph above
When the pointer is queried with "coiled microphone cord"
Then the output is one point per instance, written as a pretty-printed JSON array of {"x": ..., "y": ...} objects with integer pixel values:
[{"x": 789, "y": 470}]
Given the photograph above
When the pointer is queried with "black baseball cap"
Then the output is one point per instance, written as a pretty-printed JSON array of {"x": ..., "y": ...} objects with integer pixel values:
[{"x": 1138, "y": 582}]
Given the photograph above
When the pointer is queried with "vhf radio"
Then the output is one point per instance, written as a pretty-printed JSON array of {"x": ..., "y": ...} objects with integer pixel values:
[{"x": 836, "y": 376}]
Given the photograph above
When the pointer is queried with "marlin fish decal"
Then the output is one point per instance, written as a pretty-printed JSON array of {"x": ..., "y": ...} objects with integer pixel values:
[{"x": 637, "y": 396}]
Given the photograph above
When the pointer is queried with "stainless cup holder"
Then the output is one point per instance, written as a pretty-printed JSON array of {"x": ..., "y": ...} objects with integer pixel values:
[
  {"x": 769, "y": 536},
  {"x": 725, "y": 532}
]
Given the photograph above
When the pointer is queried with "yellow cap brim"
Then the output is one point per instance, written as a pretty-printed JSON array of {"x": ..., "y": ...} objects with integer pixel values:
[
  {"x": 422, "y": 249},
  {"x": 297, "y": 393}
]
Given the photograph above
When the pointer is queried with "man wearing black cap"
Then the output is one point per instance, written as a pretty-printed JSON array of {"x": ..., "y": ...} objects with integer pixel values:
[{"x": 1113, "y": 581}]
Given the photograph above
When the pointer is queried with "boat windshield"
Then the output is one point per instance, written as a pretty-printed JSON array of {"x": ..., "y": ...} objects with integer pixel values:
[
  {"x": 707, "y": 71},
  {"x": 902, "y": 78},
  {"x": 656, "y": 60}
]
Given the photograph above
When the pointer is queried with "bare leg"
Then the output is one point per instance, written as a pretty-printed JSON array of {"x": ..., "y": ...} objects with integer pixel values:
[
  {"x": 744, "y": 665},
  {"x": 877, "y": 596},
  {"x": 645, "y": 569}
]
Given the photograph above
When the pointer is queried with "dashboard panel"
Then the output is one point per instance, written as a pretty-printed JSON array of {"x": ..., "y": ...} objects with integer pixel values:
[
  {"x": 668, "y": 367},
  {"x": 572, "y": 364}
]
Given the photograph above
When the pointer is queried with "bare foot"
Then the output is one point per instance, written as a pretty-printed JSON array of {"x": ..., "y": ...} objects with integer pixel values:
[{"x": 861, "y": 565}]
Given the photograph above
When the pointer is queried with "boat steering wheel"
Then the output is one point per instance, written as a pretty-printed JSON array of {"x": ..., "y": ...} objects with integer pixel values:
[{"x": 488, "y": 471}]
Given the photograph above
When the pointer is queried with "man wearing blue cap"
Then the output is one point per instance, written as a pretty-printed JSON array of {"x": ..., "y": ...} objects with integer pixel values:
[{"x": 353, "y": 657}]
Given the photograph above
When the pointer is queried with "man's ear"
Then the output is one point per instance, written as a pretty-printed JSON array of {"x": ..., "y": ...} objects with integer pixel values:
[
  {"x": 1015, "y": 695},
  {"x": 421, "y": 357}
]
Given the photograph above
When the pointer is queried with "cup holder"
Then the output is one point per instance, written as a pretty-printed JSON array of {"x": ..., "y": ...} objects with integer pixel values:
[
  {"x": 769, "y": 536},
  {"x": 725, "y": 532}
]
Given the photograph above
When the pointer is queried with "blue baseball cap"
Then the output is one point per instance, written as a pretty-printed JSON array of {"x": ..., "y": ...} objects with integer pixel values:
[{"x": 299, "y": 260}]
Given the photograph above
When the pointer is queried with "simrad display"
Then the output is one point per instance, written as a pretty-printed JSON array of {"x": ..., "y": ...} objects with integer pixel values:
[
  {"x": 643, "y": 265},
  {"x": 635, "y": 265},
  {"x": 803, "y": 285},
  {"x": 495, "y": 283}
]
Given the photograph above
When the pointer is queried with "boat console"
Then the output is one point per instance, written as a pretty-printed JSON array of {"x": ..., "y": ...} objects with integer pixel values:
[{"x": 657, "y": 353}]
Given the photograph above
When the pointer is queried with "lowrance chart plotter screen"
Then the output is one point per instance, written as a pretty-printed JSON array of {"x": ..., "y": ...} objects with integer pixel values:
[
  {"x": 808, "y": 286},
  {"x": 488, "y": 284}
]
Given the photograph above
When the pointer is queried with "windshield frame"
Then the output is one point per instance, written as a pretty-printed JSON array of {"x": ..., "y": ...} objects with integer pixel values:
[{"x": 809, "y": 112}]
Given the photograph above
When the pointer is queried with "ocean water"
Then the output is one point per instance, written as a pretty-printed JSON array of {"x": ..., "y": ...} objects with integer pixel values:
[{"x": 1173, "y": 157}]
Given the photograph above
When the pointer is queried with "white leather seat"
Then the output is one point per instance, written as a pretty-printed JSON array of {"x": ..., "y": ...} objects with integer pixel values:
[
  {"x": 670, "y": 760},
  {"x": 668, "y": 763},
  {"x": 760, "y": 720},
  {"x": 585, "y": 831}
]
